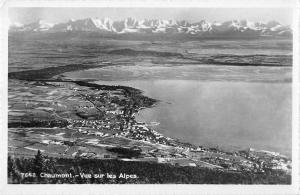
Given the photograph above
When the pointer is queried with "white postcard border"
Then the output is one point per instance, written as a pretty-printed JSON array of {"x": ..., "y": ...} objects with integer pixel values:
[{"x": 149, "y": 188}]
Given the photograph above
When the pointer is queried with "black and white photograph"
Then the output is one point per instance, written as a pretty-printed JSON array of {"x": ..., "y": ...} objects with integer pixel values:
[{"x": 150, "y": 95}]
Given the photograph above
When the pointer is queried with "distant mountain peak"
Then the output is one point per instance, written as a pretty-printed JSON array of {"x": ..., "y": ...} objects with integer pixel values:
[{"x": 154, "y": 26}]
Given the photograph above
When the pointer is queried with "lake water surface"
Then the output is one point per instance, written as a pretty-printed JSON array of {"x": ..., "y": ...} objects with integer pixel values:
[{"x": 227, "y": 114}]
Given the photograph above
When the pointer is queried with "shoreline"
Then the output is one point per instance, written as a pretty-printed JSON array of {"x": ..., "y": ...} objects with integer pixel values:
[{"x": 140, "y": 132}]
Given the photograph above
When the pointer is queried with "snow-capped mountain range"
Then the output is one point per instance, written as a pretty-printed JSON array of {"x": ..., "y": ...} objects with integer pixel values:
[{"x": 154, "y": 26}]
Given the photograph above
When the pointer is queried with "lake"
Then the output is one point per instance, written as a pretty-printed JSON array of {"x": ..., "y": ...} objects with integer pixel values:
[{"x": 229, "y": 107}]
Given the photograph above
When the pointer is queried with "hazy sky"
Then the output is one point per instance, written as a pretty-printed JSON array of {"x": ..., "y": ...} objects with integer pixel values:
[{"x": 55, "y": 15}]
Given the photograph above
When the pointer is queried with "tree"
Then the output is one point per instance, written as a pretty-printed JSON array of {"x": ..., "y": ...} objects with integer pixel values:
[{"x": 38, "y": 163}]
